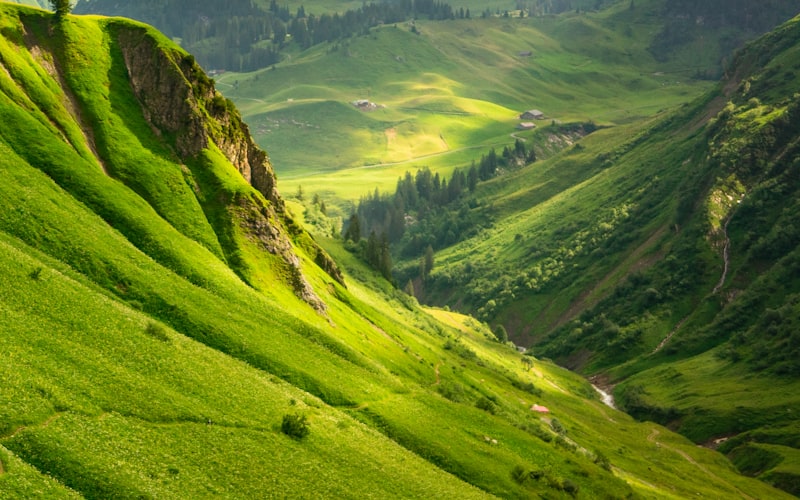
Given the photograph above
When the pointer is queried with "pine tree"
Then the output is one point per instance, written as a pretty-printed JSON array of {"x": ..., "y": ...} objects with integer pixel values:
[
  {"x": 373, "y": 251},
  {"x": 409, "y": 289},
  {"x": 472, "y": 178},
  {"x": 385, "y": 263},
  {"x": 428, "y": 261},
  {"x": 61, "y": 7},
  {"x": 353, "y": 232}
]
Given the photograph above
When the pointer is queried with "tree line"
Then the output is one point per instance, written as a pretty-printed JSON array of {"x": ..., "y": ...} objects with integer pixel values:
[
  {"x": 237, "y": 35},
  {"x": 426, "y": 211}
]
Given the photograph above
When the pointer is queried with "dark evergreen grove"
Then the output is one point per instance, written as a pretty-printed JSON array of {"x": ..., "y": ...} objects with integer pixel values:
[
  {"x": 426, "y": 212},
  {"x": 237, "y": 35}
]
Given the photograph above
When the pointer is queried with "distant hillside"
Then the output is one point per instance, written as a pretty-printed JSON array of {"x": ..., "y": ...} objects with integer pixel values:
[
  {"x": 687, "y": 23},
  {"x": 662, "y": 257},
  {"x": 170, "y": 331}
]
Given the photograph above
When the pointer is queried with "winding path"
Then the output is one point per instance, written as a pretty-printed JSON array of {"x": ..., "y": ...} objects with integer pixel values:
[
  {"x": 669, "y": 336},
  {"x": 652, "y": 438},
  {"x": 44, "y": 424}
]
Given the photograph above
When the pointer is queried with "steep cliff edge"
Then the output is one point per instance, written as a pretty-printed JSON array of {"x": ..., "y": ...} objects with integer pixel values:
[
  {"x": 182, "y": 106},
  {"x": 179, "y": 100},
  {"x": 131, "y": 107}
]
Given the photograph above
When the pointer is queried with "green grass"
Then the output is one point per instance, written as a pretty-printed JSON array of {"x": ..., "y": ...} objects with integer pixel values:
[
  {"x": 145, "y": 363},
  {"x": 450, "y": 93}
]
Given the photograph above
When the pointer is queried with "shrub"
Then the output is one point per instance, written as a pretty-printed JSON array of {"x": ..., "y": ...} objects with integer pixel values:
[
  {"x": 518, "y": 474},
  {"x": 295, "y": 426},
  {"x": 537, "y": 430},
  {"x": 570, "y": 487},
  {"x": 525, "y": 386},
  {"x": 157, "y": 331},
  {"x": 567, "y": 445},
  {"x": 36, "y": 273},
  {"x": 602, "y": 460},
  {"x": 486, "y": 405},
  {"x": 501, "y": 334},
  {"x": 453, "y": 391}
]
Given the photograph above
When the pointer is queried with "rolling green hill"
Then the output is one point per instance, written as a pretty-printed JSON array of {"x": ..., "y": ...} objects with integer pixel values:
[
  {"x": 447, "y": 91},
  {"x": 170, "y": 331},
  {"x": 447, "y": 94},
  {"x": 662, "y": 256}
]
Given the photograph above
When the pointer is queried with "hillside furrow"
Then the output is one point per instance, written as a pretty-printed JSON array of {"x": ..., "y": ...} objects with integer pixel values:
[
  {"x": 51, "y": 65},
  {"x": 669, "y": 336}
]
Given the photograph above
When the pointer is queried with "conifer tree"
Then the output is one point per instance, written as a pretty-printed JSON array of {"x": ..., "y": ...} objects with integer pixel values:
[
  {"x": 428, "y": 261},
  {"x": 353, "y": 232},
  {"x": 409, "y": 289},
  {"x": 61, "y": 7}
]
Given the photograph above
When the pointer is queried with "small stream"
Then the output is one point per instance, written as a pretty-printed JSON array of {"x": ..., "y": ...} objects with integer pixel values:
[{"x": 608, "y": 399}]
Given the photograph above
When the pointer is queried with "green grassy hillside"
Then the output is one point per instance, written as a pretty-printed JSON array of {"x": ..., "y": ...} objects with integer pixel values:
[
  {"x": 663, "y": 256},
  {"x": 169, "y": 330},
  {"x": 449, "y": 90},
  {"x": 450, "y": 93}
]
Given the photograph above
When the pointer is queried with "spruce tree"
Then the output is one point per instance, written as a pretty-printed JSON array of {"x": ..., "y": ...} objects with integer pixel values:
[
  {"x": 353, "y": 232},
  {"x": 61, "y": 7},
  {"x": 428, "y": 261}
]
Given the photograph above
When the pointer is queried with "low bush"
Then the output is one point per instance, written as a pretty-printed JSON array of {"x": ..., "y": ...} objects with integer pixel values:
[
  {"x": 486, "y": 405},
  {"x": 157, "y": 331},
  {"x": 295, "y": 426},
  {"x": 36, "y": 274}
]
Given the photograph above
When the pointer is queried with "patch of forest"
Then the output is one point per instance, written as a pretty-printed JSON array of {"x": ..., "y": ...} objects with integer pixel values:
[
  {"x": 428, "y": 212},
  {"x": 237, "y": 35}
]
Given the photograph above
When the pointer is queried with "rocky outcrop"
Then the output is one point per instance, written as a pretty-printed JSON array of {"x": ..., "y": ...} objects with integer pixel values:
[
  {"x": 180, "y": 100},
  {"x": 170, "y": 103},
  {"x": 254, "y": 218},
  {"x": 182, "y": 106}
]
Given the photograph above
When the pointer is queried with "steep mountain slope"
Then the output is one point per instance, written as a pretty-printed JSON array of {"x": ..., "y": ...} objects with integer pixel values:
[
  {"x": 663, "y": 256},
  {"x": 169, "y": 332}
]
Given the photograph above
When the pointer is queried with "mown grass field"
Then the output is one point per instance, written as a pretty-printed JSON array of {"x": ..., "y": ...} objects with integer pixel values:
[{"x": 138, "y": 360}]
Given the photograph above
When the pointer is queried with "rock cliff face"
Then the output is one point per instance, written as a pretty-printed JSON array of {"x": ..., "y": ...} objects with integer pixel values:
[
  {"x": 183, "y": 107},
  {"x": 180, "y": 100}
]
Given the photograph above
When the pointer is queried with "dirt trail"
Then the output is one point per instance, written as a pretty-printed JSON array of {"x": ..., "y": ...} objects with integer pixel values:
[
  {"x": 600, "y": 409},
  {"x": 43, "y": 425},
  {"x": 436, "y": 371},
  {"x": 652, "y": 438},
  {"x": 385, "y": 335},
  {"x": 669, "y": 336}
]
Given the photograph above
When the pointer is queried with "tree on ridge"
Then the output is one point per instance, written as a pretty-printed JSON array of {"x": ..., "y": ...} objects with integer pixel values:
[{"x": 61, "y": 7}]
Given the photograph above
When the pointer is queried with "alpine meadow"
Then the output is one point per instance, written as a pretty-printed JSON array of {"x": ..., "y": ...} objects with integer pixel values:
[{"x": 400, "y": 249}]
